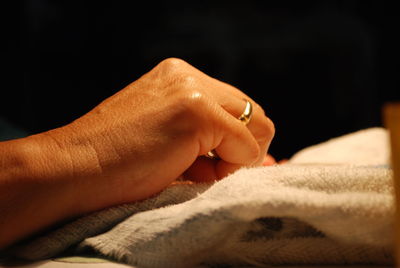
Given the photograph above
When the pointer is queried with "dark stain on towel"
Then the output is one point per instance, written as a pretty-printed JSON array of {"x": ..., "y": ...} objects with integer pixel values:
[{"x": 275, "y": 228}]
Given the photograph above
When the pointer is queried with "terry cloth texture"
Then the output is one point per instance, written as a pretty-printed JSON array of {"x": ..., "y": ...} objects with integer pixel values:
[{"x": 331, "y": 204}]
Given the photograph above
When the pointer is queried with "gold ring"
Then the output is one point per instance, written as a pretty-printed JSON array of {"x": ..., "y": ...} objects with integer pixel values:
[{"x": 245, "y": 117}]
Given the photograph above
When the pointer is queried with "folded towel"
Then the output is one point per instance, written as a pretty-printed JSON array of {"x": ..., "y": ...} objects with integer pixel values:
[{"x": 331, "y": 204}]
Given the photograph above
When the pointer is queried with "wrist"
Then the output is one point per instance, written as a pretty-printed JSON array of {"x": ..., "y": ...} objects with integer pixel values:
[
  {"x": 59, "y": 168},
  {"x": 79, "y": 160},
  {"x": 36, "y": 187},
  {"x": 70, "y": 162}
]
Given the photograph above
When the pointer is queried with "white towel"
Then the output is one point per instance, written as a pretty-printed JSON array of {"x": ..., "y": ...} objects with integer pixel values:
[{"x": 331, "y": 204}]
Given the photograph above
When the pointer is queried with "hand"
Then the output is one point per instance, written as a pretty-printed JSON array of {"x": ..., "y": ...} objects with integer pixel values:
[
  {"x": 136, "y": 143},
  {"x": 157, "y": 128}
]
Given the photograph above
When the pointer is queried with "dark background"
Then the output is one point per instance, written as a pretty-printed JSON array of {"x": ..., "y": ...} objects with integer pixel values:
[{"x": 319, "y": 68}]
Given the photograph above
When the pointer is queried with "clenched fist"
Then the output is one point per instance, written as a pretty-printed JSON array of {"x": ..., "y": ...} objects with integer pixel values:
[{"x": 129, "y": 147}]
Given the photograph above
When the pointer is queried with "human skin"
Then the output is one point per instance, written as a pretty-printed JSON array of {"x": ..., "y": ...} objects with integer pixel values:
[{"x": 128, "y": 148}]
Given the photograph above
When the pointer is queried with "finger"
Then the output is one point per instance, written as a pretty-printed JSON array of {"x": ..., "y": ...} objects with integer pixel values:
[
  {"x": 231, "y": 99},
  {"x": 237, "y": 145},
  {"x": 223, "y": 169},
  {"x": 202, "y": 170},
  {"x": 260, "y": 125},
  {"x": 268, "y": 160},
  {"x": 205, "y": 170}
]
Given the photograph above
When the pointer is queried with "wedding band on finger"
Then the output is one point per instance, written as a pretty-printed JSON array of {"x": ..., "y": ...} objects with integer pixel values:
[{"x": 245, "y": 118}]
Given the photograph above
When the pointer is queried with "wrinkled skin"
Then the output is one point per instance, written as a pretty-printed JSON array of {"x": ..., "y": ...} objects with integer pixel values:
[{"x": 131, "y": 146}]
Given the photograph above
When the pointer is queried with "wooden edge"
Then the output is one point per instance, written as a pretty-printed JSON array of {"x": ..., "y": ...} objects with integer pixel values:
[{"x": 391, "y": 118}]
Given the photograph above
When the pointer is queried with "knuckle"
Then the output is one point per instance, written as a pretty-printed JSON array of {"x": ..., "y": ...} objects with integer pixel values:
[
  {"x": 172, "y": 64},
  {"x": 185, "y": 81},
  {"x": 266, "y": 129},
  {"x": 192, "y": 101},
  {"x": 188, "y": 104},
  {"x": 178, "y": 74},
  {"x": 262, "y": 111},
  {"x": 187, "y": 115}
]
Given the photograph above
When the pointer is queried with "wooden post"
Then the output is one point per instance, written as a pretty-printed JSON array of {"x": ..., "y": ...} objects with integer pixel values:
[{"x": 391, "y": 112}]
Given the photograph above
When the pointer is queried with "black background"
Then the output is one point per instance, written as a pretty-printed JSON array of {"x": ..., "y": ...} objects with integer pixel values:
[{"x": 319, "y": 68}]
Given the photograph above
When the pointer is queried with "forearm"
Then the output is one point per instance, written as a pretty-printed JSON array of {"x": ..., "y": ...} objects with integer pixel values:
[
  {"x": 61, "y": 174},
  {"x": 37, "y": 187}
]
